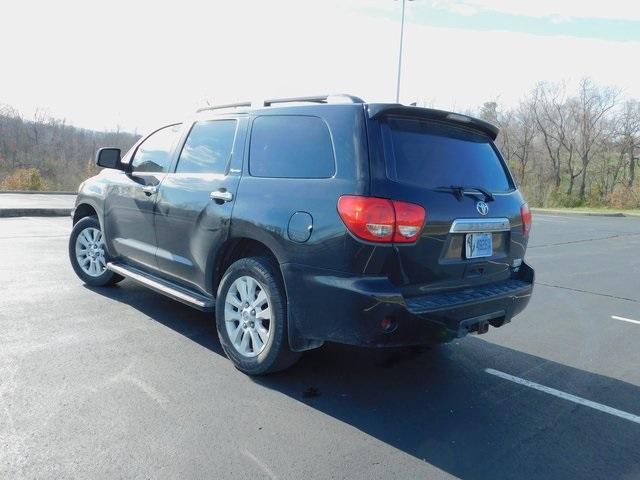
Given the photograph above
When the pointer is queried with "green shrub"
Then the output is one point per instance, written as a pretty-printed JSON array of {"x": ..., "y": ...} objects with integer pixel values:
[{"x": 558, "y": 198}]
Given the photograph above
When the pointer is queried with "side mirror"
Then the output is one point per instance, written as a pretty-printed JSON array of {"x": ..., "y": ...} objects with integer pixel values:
[{"x": 109, "y": 158}]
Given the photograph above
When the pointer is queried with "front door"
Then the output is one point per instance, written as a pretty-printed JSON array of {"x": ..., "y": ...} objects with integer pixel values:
[
  {"x": 130, "y": 202},
  {"x": 195, "y": 201}
]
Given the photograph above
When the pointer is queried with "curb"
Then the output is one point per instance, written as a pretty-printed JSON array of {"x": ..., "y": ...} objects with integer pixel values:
[
  {"x": 35, "y": 192},
  {"x": 35, "y": 212},
  {"x": 546, "y": 211}
]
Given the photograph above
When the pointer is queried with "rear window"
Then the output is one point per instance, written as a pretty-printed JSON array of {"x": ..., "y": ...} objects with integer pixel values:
[
  {"x": 433, "y": 154},
  {"x": 291, "y": 146}
]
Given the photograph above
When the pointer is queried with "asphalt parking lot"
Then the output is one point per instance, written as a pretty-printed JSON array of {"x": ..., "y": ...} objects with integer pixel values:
[{"x": 124, "y": 383}]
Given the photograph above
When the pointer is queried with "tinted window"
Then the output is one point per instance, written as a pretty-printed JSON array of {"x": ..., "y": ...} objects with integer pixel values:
[
  {"x": 431, "y": 154},
  {"x": 208, "y": 147},
  {"x": 291, "y": 146},
  {"x": 154, "y": 154}
]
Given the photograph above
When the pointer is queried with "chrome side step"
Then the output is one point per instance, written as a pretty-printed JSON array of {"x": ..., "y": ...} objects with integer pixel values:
[{"x": 176, "y": 292}]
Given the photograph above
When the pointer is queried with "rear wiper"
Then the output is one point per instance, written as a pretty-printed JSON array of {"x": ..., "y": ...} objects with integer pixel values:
[{"x": 460, "y": 190}]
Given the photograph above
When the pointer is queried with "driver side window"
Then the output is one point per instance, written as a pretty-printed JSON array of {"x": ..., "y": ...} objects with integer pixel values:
[{"x": 154, "y": 154}]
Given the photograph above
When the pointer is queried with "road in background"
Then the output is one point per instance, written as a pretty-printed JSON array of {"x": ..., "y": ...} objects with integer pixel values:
[{"x": 122, "y": 382}]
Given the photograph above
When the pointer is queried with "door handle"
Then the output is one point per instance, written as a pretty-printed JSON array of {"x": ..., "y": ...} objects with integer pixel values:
[
  {"x": 150, "y": 189},
  {"x": 222, "y": 195}
]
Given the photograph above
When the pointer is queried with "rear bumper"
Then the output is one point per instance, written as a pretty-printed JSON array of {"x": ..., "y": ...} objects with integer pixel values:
[{"x": 371, "y": 311}]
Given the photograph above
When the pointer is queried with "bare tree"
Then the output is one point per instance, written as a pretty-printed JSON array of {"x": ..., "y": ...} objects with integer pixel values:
[
  {"x": 504, "y": 120},
  {"x": 593, "y": 103},
  {"x": 629, "y": 130},
  {"x": 525, "y": 128},
  {"x": 550, "y": 112}
]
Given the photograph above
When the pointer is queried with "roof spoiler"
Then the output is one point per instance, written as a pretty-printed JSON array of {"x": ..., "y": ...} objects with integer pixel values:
[{"x": 377, "y": 110}]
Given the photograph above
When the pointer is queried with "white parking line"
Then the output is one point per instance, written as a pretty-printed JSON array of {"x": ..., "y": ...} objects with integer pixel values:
[
  {"x": 566, "y": 396},
  {"x": 615, "y": 317}
]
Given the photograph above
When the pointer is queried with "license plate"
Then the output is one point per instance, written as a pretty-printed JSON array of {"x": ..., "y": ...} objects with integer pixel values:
[{"x": 478, "y": 245}]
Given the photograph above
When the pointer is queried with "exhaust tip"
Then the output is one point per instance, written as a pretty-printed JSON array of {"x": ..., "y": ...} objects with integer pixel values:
[{"x": 389, "y": 324}]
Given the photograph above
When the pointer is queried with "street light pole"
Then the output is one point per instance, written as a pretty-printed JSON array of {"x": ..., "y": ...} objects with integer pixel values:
[{"x": 400, "y": 54}]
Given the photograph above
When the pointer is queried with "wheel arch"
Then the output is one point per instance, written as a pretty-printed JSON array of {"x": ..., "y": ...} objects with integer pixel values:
[
  {"x": 87, "y": 207},
  {"x": 83, "y": 210},
  {"x": 235, "y": 249},
  {"x": 241, "y": 247}
]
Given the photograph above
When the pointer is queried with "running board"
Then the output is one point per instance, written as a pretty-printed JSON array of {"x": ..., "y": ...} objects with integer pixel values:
[{"x": 169, "y": 289}]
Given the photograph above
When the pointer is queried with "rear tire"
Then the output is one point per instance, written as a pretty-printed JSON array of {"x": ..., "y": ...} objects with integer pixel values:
[
  {"x": 88, "y": 254},
  {"x": 251, "y": 317}
]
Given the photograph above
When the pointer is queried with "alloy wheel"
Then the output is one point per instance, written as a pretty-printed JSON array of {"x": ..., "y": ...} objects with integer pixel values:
[
  {"x": 247, "y": 316},
  {"x": 90, "y": 252}
]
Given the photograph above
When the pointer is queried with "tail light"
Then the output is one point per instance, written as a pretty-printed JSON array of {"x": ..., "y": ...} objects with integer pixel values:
[
  {"x": 381, "y": 220},
  {"x": 409, "y": 221},
  {"x": 525, "y": 215}
]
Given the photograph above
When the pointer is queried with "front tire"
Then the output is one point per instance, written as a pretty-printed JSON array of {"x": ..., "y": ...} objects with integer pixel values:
[
  {"x": 251, "y": 317},
  {"x": 88, "y": 254}
]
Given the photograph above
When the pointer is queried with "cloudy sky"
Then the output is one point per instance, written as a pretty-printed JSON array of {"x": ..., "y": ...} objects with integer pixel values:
[{"x": 138, "y": 64}]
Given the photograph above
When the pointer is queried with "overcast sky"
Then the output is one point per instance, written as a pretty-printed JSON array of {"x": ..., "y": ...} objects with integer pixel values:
[{"x": 138, "y": 64}]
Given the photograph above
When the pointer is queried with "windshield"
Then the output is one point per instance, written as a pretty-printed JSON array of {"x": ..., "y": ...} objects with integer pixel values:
[{"x": 432, "y": 154}]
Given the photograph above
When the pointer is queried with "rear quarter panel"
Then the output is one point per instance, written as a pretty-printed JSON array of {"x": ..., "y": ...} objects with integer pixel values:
[{"x": 264, "y": 206}]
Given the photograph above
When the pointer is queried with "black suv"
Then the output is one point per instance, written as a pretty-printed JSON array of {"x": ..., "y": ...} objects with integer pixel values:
[{"x": 313, "y": 219}]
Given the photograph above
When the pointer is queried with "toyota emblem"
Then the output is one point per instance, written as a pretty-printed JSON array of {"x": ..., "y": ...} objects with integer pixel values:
[{"x": 482, "y": 208}]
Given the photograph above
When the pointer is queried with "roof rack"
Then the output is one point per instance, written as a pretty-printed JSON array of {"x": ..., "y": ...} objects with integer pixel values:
[{"x": 270, "y": 102}]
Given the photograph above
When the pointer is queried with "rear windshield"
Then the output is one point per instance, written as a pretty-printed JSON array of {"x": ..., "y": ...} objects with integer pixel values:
[{"x": 432, "y": 154}]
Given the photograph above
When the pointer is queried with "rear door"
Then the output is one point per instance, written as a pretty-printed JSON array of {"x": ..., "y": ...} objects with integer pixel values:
[
  {"x": 419, "y": 160},
  {"x": 195, "y": 200}
]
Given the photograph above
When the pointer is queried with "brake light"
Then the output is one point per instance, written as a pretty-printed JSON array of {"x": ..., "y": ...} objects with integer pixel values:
[
  {"x": 381, "y": 220},
  {"x": 409, "y": 221},
  {"x": 525, "y": 215},
  {"x": 368, "y": 218}
]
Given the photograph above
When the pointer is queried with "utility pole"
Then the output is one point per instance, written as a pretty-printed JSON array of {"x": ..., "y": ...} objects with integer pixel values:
[{"x": 400, "y": 54}]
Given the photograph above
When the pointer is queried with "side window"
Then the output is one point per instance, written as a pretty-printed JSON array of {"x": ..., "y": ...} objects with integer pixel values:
[
  {"x": 208, "y": 147},
  {"x": 154, "y": 154},
  {"x": 291, "y": 146}
]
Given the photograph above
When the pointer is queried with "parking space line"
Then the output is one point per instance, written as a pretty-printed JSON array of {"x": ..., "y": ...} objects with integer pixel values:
[
  {"x": 566, "y": 396},
  {"x": 615, "y": 317},
  {"x": 259, "y": 462}
]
